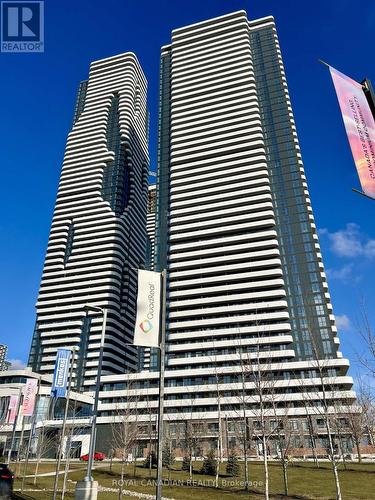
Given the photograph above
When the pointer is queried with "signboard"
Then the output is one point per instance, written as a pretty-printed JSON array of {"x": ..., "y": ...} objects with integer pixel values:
[
  {"x": 29, "y": 397},
  {"x": 360, "y": 127},
  {"x": 147, "y": 323},
  {"x": 60, "y": 375},
  {"x": 12, "y": 409}
]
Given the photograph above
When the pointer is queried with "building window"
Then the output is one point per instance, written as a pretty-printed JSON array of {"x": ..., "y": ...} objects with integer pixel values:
[
  {"x": 69, "y": 243},
  {"x": 327, "y": 348},
  {"x": 116, "y": 174}
]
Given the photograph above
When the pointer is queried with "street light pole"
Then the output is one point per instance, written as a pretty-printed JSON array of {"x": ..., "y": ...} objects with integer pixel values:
[
  {"x": 96, "y": 398},
  {"x": 87, "y": 489}
]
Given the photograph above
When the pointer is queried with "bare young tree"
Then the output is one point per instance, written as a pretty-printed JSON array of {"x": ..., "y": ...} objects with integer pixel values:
[
  {"x": 168, "y": 451},
  {"x": 125, "y": 430},
  {"x": 359, "y": 418},
  {"x": 191, "y": 440},
  {"x": 340, "y": 431},
  {"x": 241, "y": 426},
  {"x": 46, "y": 442},
  {"x": 323, "y": 407},
  {"x": 74, "y": 427},
  {"x": 256, "y": 396},
  {"x": 312, "y": 434},
  {"x": 366, "y": 332},
  {"x": 284, "y": 432},
  {"x": 261, "y": 424},
  {"x": 219, "y": 440},
  {"x": 151, "y": 429},
  {"x": 262, "y": 375}
]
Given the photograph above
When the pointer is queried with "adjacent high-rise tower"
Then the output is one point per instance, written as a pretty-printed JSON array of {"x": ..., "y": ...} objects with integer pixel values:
[
  {"x": 98, "y": 234},
  {"x": 241, "y": 247},
  {"x": 236, "y": 233},
  {"x": 246, "y": 288}
]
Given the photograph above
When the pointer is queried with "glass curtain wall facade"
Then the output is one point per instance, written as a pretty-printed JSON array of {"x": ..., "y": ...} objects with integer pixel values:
[{"x": 309, "y": 305}]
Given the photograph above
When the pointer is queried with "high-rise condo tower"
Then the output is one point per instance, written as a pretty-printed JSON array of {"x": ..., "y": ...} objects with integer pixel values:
[
  {"x": 235, "y": 230},
  {"x": 98, "y": 232}
]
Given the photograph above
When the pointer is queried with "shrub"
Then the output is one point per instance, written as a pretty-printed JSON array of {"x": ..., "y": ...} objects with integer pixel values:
[
  {"x": 233, "y": 467},
  {"x": 209, "y": 464},
  {"x": 168, "y": 457},
  {"x": 186, "y": 463},
  {"x": 154, "y": 460}
]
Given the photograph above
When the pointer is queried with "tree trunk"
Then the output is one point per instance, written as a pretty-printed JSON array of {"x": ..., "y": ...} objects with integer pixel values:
[
  {"x": 333, "y": 460},
  {"x": 358, "y": 451},
  {"x": 121, "y": 478},
  {"x": 342, "y": 452},
  {"x": 336, "y": 474},
  {"x": 170, "y": 460},
  {"x": 191, "y": 467},
  {"x": 370, "y": 435},
  {"x": 66, "y": 472},
  {"x": 312, "y": 439},
  {"x": 285, "y": 473},
  {"x": 36, "y": 469},
  {"x": 246, "y": 468},
  {"x": 217, "y": 466},
  {"x": 316, "y": 460},
  {"x": 313, "y": 446},
  {"x": 344, "y": 459},
  {"x": 265, "y": 464}
]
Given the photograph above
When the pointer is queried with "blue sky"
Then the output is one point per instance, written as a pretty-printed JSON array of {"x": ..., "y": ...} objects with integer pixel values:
[{"x": 37, "y": 99}]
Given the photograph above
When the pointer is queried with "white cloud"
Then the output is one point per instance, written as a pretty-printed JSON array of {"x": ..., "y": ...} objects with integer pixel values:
[
  {"x": 343, "y": 322},
  {"x": 342, "y": 274},
  {"x": 16, "y": 364},
  {"x": 350, "y": 242}
]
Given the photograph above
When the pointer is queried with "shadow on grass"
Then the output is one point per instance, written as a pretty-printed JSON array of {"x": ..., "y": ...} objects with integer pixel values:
[
  {"x": 21, "y": 496},
  {"x": 324, "y": 466}
]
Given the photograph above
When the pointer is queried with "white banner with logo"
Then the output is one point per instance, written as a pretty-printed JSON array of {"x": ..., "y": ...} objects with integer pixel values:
[{"x": 148, "y": 309}]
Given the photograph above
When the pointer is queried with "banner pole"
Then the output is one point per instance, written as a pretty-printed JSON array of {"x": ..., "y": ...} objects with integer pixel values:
[
  {"x": 159, "y": 480},
  {"x": 18, "y": 459},
  {"x": 15, "y": 425},
  {"x": 323, "y": 62},
  {"x": 363, "y": 194},
  {"x": 32, "y": 427},
  {"x": 56, "y": 481}
]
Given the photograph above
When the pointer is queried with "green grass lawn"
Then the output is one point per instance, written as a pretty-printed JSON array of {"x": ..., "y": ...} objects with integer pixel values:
[{"x": 305, "y": 482}]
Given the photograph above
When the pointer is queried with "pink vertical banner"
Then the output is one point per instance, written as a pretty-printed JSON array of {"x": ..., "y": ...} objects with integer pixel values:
[
  {"x": 29, "y": 397},
  {"x": 360, "y": 127},
  {"x": 12, "y": 409}
]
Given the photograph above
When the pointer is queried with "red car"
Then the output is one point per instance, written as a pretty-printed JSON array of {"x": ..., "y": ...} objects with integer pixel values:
[{"x": 98, "y": 455}]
